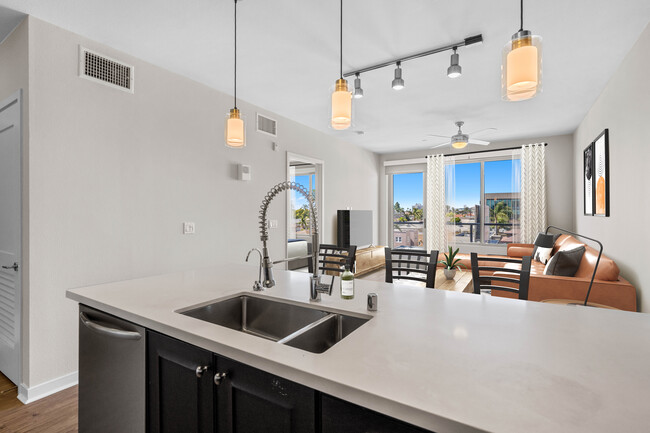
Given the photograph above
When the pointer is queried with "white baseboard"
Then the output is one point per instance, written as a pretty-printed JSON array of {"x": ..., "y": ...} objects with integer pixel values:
[{"x": 31, "y": 394}]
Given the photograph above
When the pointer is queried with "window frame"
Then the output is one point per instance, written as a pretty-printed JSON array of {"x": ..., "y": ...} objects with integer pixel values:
[{"x": 473, "y": 158}]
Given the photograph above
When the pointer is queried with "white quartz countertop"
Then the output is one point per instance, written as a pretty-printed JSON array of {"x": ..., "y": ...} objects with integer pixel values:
[{"x": 445, "y": 361}]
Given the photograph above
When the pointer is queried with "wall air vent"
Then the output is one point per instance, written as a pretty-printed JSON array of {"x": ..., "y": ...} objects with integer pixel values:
[
  {"x": 101, "y": 69},
  {"x": 267, "y": 125}
]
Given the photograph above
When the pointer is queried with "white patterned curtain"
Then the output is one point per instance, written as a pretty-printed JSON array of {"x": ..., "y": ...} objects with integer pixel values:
[
  {"x": 533, "y": 191},
  {"x": 436, "y": 237}
]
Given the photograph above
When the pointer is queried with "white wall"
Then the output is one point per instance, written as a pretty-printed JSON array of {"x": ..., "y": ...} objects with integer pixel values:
[
  {"x": 559, "y": 179},
  {"x": 113, "y": 175},
  {"x": 624, "y": 108}
]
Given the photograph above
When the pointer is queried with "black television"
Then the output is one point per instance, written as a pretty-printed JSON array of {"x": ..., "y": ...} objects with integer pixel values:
[{"x": 354, "y": 227}]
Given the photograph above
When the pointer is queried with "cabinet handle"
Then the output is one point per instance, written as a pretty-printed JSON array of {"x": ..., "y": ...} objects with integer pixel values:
[
  {"x": 218, "y": 377},
  {"x": 200, "y": 370}
]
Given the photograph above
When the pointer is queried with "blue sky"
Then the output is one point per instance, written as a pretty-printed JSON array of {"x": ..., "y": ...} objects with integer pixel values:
[
  {"x": 408, "y": 188},
  {"x": 299, "y": 200}
]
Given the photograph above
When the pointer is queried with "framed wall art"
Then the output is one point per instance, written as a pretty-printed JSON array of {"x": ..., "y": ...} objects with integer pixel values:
[
  {"x": 587, "y": 177},
  {"x": 600, "y": 178}
]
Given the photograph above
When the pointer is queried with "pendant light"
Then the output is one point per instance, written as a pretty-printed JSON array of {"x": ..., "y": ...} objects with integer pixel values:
[
  {"x": 235, "y": 131},
  {"x": 521, "y": 76},
  {"x": 341, "y": 97},
  {"x": 454, "y": 70},
  {"x": 398, "y": 82}
]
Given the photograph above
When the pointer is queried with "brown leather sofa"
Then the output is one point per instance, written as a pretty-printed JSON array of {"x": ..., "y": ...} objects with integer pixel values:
[{"x": 609, "y": 287}]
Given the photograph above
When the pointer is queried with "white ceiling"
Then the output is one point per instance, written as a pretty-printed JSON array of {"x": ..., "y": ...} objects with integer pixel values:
[{"x": 288, "y": 56}]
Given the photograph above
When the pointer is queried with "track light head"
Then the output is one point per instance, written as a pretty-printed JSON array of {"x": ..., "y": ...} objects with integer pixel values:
[
  {"x": 398, "y": 82},
  {"x": 454, "y": 70},
  {"x": 358, "y": 91}
]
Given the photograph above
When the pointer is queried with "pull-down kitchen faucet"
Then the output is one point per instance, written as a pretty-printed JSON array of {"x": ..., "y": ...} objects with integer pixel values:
[{"x": 316, "y": 287}]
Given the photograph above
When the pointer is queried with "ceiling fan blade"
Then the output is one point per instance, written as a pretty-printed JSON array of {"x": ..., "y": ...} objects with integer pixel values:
[
  {"x": 483, "y": 131},
  {"x": 441, "y": 136},
  {"x": 481, "y": 142},
  {"x": 446, "y": 143}
]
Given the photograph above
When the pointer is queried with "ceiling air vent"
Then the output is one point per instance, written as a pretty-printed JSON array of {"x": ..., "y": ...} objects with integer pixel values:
[
  {"x": 267, "y": 125},
  {"x": 101, "y": 69}
]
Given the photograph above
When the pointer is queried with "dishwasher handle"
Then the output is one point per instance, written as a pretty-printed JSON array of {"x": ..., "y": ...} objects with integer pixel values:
[{"x": 109, "y": 332}]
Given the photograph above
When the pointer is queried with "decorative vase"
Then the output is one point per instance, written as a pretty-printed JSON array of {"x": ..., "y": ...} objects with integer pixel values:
[{"x": 450, "y": 273}]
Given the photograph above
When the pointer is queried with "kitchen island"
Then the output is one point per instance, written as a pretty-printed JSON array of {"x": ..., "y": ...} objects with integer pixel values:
[{"x": 440, "y": 360}]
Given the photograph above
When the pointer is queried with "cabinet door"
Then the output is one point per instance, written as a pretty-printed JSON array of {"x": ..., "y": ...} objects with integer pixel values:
[
  {"x": 251, "y": 401},
  {"x": 341, "y": 416},
  {"x": 180, "y": 397}
]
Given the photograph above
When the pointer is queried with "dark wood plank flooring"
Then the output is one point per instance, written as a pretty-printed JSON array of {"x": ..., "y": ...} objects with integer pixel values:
[{"x": 56, "y": 413}]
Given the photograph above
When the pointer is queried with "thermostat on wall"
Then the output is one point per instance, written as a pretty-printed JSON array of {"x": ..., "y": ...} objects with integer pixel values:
[{"x": 244, "y": 172}]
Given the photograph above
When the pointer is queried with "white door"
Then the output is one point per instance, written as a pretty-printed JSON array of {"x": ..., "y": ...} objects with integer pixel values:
[{"x": 10, "y": 236}]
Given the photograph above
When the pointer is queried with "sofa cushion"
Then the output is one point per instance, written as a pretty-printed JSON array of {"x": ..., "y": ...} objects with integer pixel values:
[{"x": 565, "y": 262}]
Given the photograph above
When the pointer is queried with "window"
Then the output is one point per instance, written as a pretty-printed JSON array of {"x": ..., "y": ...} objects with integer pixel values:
[
  {"x": 482, "y": 199},
  {"x": 299, "y": 220},
  {"x": 408, "y": 210}
]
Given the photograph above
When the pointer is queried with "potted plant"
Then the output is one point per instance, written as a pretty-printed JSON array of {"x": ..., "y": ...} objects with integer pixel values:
[{"x": 451, "y": 263}]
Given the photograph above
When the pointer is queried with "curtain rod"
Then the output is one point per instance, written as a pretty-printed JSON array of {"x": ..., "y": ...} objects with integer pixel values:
[
  {"x": 424, "y": 158},
  {"x": 489, "y": 150}
]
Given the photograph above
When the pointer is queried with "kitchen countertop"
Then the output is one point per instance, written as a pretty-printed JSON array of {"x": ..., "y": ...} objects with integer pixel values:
[{"x": 445, "y": 361}]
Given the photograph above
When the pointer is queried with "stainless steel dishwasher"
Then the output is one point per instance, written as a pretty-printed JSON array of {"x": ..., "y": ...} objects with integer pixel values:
[{"x": 112, "y": 378}]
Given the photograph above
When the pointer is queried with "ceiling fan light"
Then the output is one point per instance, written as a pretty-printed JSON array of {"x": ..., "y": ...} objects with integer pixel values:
[
  {"x": 398, "y": 82},
  {"x": 459, "y": 141},
  {"x": 341, "y": 106},
  {"x": 454, "y": 70}
]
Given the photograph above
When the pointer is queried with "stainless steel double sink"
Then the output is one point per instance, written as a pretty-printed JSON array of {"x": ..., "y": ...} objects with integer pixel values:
[{"x": 302, "y": 327}]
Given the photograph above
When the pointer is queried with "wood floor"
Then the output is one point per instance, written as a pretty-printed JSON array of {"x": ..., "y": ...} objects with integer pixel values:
[{"x": 56, "y": 413}]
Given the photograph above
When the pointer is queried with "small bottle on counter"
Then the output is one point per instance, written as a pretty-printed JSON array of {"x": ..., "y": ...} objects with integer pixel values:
[{"x": 347, "y": 283}]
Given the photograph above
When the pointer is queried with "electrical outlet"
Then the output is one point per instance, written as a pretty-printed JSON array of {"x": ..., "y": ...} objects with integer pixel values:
[
  {"x": 189, "y": 228},
  {"x": 273, "y": 224}
]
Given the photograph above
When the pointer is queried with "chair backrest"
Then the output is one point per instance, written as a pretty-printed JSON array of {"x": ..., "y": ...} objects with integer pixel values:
[
  {"x": 332, "y": 259},
  {"x": 416, "y": 265},
  {"x": 486, "y": 282}
]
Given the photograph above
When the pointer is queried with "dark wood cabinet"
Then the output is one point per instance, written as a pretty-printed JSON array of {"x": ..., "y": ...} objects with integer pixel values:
[
  {"x": 253, "y": 401},
  {"x": 180, "y": 391},
  {"x": 341, "y": 416}
]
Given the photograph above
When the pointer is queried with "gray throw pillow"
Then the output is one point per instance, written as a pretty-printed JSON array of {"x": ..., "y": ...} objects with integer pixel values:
[{"x": 566, "y": 262}]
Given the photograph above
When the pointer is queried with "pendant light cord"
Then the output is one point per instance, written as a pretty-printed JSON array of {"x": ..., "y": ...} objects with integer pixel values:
[
  {"x": 235, "y": 54},
  {"x": 341, "y": 42},
  {"x": 521, "y": 15}
]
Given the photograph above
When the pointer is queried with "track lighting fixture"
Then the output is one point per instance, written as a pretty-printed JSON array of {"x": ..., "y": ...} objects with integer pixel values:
[
  {"x": 521, "y": 76},
  {"x": 235, "y": 130},
  {"x": 341, "y": 97},
  {"x": 454, "y": 70},
  {"x": 398, "y": 82},
  {"x": 358, "y": 91}
]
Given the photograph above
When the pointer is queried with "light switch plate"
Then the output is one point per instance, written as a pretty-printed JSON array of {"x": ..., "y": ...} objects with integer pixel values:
[
  {"x": 189, "y": 228},
  {"x": 273, "y": 224}
]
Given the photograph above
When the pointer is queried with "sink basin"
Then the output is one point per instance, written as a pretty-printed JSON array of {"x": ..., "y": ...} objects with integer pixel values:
[
  {"x": 297, "y": 326},
  {"x": 265, "y": 318},
  {"x": 325, "y": 333}
]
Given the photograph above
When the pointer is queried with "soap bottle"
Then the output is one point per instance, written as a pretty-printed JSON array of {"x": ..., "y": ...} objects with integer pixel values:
[{"x": 347, "y": 283}]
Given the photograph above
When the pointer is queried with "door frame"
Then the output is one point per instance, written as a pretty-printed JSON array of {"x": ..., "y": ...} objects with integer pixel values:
[
  {"x": 17, "y": 98},
  {"x": 320, "y": 199}
]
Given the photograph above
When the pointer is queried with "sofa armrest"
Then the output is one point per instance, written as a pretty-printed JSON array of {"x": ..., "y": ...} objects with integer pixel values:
[{"x": 520, "y": 250}]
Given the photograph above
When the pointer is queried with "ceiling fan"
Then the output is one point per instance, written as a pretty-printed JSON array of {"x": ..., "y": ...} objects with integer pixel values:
[{"x": 460, "y": 140}]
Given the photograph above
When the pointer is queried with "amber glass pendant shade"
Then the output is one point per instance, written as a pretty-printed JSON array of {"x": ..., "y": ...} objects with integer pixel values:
[
  {"x": 235, "y": 131},
  {"x": 341, "y": 106},
  {"x": 521, "y": 76}
]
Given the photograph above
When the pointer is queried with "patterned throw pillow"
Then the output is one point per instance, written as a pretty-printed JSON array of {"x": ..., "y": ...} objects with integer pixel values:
[
  {"x": 542, "y": 254},
  {"x": 544, "y": 241}
]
